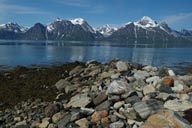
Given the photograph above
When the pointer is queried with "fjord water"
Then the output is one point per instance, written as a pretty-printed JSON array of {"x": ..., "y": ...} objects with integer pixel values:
[{"x": 13, "y": 53}]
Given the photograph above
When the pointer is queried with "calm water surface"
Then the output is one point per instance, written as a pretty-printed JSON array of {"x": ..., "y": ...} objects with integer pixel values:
[{"x": 22, "y": 53}]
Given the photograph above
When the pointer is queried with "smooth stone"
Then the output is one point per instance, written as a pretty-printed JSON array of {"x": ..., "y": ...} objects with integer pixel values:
[
  {"x": 61, "y": 84},
  {"x": 118, "y": 104},
  {"x": 103, "y": 106},
  {"x": 82, "y": 123},
  {"x": 171, "y": 72},
  {"x": 98, "y": 115},
  {"x": 178, "y": 105},
  {"x": 58, "y": 116},
  {"x": 147, "y": 108},
  {"x": 114, "y": 98},
  {"x": 121, "y": 66},
  {"x": 79, "y": 100},
  {"x": 141, "y": 74},
  {"x": 148, "y": 89},
  {"x": 118, "y": 124},
  {"x": 119, "y": 115},
  {"x": 168, "y": 81},
  {"x": 117, "y": 87},
  {"x": 178, "y": 87},
  {"x": 100, "y": 98},
  {"x": 165, "y": 119}
]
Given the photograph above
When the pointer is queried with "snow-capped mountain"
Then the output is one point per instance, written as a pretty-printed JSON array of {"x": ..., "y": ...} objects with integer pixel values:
[
  {"x": 12, "y": 27},
  {"x": 142, "y": 31},
  {"x": 106, "y": 30}
]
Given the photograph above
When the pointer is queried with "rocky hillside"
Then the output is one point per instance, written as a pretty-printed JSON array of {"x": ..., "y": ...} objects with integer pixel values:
[{"x": 115, "y": 95}]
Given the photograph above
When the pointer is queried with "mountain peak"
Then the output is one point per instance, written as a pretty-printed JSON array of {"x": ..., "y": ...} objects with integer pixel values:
[
  {"x": 79, "y": 21},
  {"x": 147, "y": 22}
]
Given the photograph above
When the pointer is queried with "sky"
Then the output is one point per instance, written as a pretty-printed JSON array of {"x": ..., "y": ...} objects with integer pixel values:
[{"x": 176, "y": 13}]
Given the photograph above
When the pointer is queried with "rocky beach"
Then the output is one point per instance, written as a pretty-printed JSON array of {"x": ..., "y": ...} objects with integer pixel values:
[{"x": 116, "y": 94}]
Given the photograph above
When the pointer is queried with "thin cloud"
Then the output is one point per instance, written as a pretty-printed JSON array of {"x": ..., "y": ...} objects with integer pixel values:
[
  {"x": 17, "y": 9},
  {"x": 177, "y": 18}
]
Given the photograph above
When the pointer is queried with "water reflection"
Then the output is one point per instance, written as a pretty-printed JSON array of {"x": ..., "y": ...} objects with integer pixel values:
[{"x": 13, "y": 55}]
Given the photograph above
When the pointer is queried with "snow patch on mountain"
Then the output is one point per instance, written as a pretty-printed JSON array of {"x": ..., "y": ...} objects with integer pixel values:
[
  {"x": 12, "y": 26},
  {"x": 79, "y": 21},
  {"x": 106, "y": 30}
]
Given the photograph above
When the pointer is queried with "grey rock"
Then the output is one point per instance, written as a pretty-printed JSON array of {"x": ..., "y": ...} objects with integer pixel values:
[
  {"x": 61, "y": 84},
  {"x": 147, "y": 108},
  {"x": 103, "y": 106},
  {"x": 118, "y": 124},
  {"x": 141, "y": 74},
  {"x": 76, "y": 116},
  {"x": 87, "y": 111},
  {"x": 118, "y": 104},
  {"x": 129, "y": 113},
  {"x": 121, "y": 66},
  {"x": 117, "y": 87},
  {"x": 63, "y": 122},
  {"x": 79, "y": 100},
  {"x": 165, "y": 88},
  {"x": 148, "y": 89},
  {"x": 100, "y": 98},
  {"x": 114, "y": 98},
  {"x": 58, "y": 116},
  {"x": 178, "y": 105},
  {"x": 132, "y": 100},
  {"x": 139, "y": 85},
  {"x": 82, "y": 123},
  {"x": 154, "y": 79}
]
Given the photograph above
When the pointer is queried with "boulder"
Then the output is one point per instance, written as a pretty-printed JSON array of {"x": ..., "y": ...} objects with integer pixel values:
[
  {"x": 141, "y": 74},
  {"x": 165, "y": 119}
]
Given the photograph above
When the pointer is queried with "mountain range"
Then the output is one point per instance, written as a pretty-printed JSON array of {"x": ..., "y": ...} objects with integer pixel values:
[{"x": 143, "y": 31}]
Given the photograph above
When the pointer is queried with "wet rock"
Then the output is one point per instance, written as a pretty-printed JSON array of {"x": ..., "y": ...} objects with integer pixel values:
[
  {"x": 100, "y": 98},
  {"x": 76, "y": 116},
  {"x": 117, "y": 87},
  {"x": 164, "y": 88},
  {"x": 147, "y": 108},
  {"x": 79, "y": 100},
  {"x": 178, "y": 105},
  {"x": 118, "y": 124},
  {"x": 61, "y": 84},
  {"x": 98, "y": 115},
  {"x": 162, "y": 72},
  {"x": 165, "y": 119},
  {"x": 165, "y": 96},
  {"x": 121, "y": 66},
  {"x": 168, "y": 81},
  {"x": 82, "y": 123},
  {"x": 50, "y": 110}
]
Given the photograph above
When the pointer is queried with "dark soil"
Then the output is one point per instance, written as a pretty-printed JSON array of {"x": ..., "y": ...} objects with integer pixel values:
[{"x": 22, "y": 83}]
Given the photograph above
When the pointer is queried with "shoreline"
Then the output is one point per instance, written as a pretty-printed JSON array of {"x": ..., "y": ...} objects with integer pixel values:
[{"x": 91, "y": 94}]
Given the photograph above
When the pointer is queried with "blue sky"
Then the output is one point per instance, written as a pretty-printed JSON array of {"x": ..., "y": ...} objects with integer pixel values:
[{"x": 177, "y": 13}]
